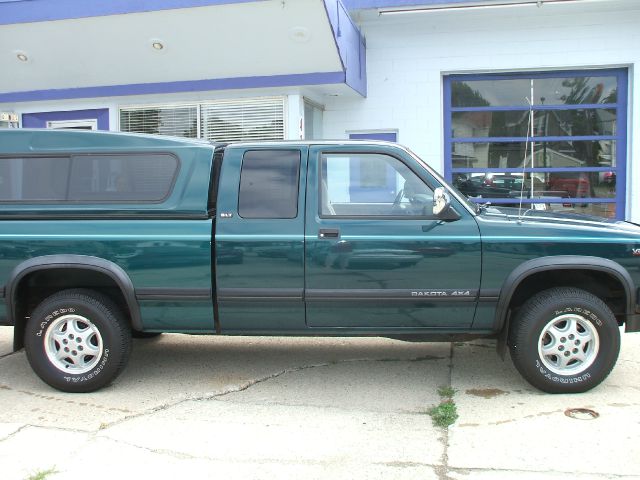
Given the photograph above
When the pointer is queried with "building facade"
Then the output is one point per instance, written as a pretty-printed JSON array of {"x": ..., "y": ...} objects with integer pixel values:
[{"x": 517, "y": 98}]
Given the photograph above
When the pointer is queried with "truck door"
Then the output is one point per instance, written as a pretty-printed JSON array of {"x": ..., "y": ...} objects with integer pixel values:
[
  {"x": 375, "y": 256},
  {"x": 259, "y": 239}
]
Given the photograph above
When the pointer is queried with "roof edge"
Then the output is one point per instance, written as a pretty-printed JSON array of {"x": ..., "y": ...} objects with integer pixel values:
[{"x": 30, "y": 11}]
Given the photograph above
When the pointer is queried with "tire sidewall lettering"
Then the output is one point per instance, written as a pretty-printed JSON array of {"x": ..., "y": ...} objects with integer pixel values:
[
  {"x": 583, "y": 312},
  {"x": 559, "y": 379},
  {"x": 88, "y": 376},
  {"x": 51, "y": 317}
]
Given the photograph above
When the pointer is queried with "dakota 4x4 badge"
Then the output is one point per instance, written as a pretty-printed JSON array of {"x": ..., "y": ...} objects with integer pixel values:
[{"x": 443, "y": 293}]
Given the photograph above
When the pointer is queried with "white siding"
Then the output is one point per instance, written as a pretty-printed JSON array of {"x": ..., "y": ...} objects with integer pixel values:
[{"x": 407, "y": 56}]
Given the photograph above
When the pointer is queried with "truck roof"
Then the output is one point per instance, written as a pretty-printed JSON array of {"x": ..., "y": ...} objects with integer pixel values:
[{"x": 33, "y": 140}]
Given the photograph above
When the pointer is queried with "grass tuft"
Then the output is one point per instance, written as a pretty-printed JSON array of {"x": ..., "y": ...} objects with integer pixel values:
[{"x": 42, "y": 474}]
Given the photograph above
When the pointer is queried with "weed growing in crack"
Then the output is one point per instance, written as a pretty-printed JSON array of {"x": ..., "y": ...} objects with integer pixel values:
[
  {"x": 446, "y": 413},
  {"x": 42, "y": 474},
  {"x": 446, "y": 392}
]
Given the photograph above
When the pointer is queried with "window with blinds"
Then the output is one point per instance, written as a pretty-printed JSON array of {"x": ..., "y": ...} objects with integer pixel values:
[
  {"x": 177, "y": 120},
  {"x": 219, "y": 121},
  {"x": 241, "y": 120}
]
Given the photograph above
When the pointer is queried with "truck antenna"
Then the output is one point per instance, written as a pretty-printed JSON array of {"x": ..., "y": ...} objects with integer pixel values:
[{"x": 530, "y": 133}]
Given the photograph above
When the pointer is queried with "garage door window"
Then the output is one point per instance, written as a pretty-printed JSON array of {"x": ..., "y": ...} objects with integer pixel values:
[{"x": 556, "y": 140}]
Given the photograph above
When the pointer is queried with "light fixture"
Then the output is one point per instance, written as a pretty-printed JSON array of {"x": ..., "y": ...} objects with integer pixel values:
[
  {"x": 300, "y": 34},
  {"x": 157, "y": 44},
  {"x": 488, "y": 5}
]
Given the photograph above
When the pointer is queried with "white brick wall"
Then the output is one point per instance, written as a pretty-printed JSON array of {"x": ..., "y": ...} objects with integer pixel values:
[{"x": 407, "y": 56}]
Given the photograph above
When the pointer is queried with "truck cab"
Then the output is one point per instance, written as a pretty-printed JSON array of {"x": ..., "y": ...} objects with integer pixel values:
[{"x": 350, "y": 230}]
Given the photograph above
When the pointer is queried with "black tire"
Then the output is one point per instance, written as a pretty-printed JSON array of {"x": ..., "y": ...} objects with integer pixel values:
[
  {"x": 99, "y": 327},
  {"x": 139, "y": 334},
  {"x": 557, "y": 312}
]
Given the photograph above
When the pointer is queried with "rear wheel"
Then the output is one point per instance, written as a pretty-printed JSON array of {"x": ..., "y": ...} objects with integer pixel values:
[
  {"x": 77, "y": 341},
  {"x": 564, "y": 340}
]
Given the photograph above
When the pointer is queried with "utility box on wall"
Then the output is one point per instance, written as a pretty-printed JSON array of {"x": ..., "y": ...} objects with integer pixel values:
[{"x": 8, "y": 120}]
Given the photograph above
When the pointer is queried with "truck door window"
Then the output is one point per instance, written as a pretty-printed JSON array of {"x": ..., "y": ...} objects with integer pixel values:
[
  {"x": 269, "y": 184},
  {"x": 368, "y": 185}
]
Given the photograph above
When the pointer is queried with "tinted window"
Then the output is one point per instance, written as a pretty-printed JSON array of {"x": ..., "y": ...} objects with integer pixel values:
[
  {"x": 33, "y": 179},
  {"x": 100, "y": 178},
  {"x": 269, "y": 184},
  {"x": 87, "y": 178}
]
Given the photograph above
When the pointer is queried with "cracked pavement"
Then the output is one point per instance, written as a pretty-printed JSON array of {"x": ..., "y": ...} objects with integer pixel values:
[{"x": 258, "y": 408}]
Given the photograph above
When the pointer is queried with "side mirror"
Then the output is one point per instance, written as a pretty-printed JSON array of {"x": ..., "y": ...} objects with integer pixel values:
[{"x": 442, "y": 205}]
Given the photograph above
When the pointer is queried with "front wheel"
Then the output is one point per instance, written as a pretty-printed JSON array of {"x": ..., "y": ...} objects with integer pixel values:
[
  {"x": 564, "y": 340},
  {"x": 77, "y": 341}
]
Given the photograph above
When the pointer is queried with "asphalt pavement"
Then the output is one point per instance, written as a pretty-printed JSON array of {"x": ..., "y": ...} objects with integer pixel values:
[{"x": 316, "y": 408}]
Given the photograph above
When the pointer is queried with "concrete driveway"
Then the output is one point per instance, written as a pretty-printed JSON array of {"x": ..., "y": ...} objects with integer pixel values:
[{"x": 245, "y": 408}]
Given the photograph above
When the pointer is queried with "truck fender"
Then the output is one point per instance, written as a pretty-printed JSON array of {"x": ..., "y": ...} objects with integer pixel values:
[
  {"x": 84, "y": 262},
  {"x": 560, "y": 262}
]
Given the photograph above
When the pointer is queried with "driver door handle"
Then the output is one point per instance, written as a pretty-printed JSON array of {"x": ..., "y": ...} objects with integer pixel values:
[{"x": 328, "y": 233}]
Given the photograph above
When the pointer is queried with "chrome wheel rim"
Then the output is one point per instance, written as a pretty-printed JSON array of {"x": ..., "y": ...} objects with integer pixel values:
[
  {"x": 568, "y": 344},
  {"x": 73, "y": 344}
]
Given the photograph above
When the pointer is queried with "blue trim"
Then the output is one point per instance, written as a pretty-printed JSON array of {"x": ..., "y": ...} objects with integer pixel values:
[
  {"x": 350, "y": 45},
  {"x": 533, "y": 170},
  {"x": 321, "y": 78},
  {"x": 621, "y": 172},
  {"x": 606, "y": 72},
  {"x": 564, "y": 138},
  {"x": 48, "y": 10},
  {"x": 585, "y": 106},
  {"x": 385, "y": 136},
  {"x": 39, "y": 120},
  {"x": 620, "y": 167}
]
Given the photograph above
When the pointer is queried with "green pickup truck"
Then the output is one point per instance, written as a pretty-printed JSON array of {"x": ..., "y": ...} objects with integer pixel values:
[{"x": 105, "y": 236}]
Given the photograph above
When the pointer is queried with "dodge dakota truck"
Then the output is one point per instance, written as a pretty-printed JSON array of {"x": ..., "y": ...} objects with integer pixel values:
[{"x": 105, "y": 236}]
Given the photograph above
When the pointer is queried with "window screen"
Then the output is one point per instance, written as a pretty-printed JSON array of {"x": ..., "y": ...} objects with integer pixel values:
[{"x": 269, "y": 184}]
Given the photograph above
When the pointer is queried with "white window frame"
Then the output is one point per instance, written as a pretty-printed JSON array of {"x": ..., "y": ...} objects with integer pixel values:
[{"x": 92, "y": 123}]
